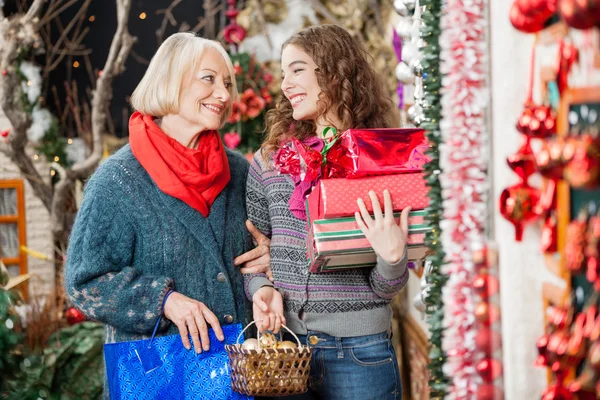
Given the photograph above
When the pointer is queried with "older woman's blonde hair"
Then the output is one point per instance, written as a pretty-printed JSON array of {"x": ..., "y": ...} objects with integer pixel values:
[{"x": 157, "y": 94}]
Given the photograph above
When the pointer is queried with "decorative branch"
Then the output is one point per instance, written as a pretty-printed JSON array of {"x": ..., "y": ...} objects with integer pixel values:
[
  {"x": 10, "y": 85},
  {"x": 167, "y": 18}
]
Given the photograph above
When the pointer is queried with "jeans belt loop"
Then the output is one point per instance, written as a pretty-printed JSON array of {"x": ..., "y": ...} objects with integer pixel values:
[{"x": 340, "y": 347}]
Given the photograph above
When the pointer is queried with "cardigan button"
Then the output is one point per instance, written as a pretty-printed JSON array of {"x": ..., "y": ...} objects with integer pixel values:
[
  {"x": 228, "y": 318},
  {"x": 221, "y": 277}
]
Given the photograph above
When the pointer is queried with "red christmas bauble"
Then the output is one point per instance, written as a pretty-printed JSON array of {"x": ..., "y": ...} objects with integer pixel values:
[
  {"x": 487, "y": 313},
  {"x": 74, "y": 316},
  {"x": 523, "y": 22},
  {"x": 537, "y": 121},
  {"x": 489, "y": 391},
  {"x": 234, "y": 34},
  {"x": 523, "y": 161},
  {"x": 583, "y": 170},
  {"x": 486, "y": 285},
  {"x": 556, "y": 392},
  {"x": 518, "y": 204},
  {"x": 489, "y": 369},
  {"x": 487, "y": 340},
  {"x": 580, "y": 14}
]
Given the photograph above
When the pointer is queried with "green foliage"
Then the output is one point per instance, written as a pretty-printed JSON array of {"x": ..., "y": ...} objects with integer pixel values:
[{"x": 430, "y": 32}]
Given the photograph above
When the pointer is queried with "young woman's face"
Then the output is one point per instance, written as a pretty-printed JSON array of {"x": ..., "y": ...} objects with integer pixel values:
[
  {"x": 206, "y": 91},
  {"x": 299, "y": 84}
]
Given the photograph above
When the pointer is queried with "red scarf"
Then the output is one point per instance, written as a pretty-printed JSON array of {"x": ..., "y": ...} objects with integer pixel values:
[{"x": 194, "y": 176}]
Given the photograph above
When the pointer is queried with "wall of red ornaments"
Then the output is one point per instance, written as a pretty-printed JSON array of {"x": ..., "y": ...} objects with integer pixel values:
[{"x": 561, "y": 142}]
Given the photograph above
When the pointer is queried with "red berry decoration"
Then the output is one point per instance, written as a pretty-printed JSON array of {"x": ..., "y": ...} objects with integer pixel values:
[
  {"x": 74, "y": 316},
  {"x": 4, "y": 72},
  {"x": 5, "y": 133}
]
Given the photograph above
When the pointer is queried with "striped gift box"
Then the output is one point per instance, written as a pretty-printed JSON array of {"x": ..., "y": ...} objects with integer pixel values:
[{"x": 338, "y": 243}]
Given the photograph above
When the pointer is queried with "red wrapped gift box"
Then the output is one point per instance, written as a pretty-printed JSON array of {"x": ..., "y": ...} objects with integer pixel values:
[
  {"x": 361, "y": 152},
  {"x": 333, "y": 198},
  {"x": 356, "y": 153}
]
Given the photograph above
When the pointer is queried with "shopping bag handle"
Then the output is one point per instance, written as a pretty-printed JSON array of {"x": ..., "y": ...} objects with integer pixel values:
[{"x": 162, "y": 309}]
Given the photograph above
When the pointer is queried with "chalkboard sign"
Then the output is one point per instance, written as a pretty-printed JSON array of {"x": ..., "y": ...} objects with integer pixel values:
[{"x": 581, "y": 117}]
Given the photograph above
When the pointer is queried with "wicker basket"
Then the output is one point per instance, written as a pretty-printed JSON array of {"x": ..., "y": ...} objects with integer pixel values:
[{"x": 269, "y": 372}]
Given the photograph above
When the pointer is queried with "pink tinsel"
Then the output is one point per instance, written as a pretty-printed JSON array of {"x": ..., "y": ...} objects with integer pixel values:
[{"x": 464, "y": 186}]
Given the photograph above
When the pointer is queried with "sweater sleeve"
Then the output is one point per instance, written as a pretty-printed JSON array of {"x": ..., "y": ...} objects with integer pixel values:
[
  {"x": 388, "y": 279},
  {"x": 99, "y": 276},
  {"x": 257, "y": 207}
]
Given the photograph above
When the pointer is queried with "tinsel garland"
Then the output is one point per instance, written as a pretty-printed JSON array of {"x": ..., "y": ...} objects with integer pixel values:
[
  {"x": 430, "y": 32},
  {"x": 463, "y": 158}
]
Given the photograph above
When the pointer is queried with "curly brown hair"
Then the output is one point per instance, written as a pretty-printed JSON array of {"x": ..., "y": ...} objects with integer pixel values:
[{"x": 350, "y": 87}]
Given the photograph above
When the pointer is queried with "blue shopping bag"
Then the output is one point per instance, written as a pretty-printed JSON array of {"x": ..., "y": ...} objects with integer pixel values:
[{"x": 161, "y": 368}]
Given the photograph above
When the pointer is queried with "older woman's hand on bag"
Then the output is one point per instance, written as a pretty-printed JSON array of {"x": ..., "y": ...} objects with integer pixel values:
[
  {"x": 192, "y": 317},
  {"x": 257, "y": 260}
]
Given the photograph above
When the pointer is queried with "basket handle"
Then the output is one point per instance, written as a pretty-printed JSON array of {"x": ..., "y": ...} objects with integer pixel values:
[{"x": 258, "y": 333}]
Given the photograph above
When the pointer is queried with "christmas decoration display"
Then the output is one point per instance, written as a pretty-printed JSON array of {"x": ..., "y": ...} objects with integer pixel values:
[
  {"x": 430, "y": 102},
  {"x": 233, "y": 33},
  {"x": 409, "y": 70},
  {"x": 519, "y": 203},
  {"x": 255, "y": 84},
  {"x": 471, "y": 289}
]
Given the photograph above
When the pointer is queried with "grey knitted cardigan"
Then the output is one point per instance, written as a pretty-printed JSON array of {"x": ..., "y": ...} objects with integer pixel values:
[{"x": 131, "y": 243}]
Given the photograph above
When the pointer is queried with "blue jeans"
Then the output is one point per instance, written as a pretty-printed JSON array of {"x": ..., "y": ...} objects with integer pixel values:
[{"x": 352, "y": 368}]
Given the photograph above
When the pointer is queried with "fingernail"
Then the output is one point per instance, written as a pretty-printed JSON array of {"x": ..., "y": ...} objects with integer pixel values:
[
  {"x": 187, "y": 347},
  {"x": 221, "y": 338}
]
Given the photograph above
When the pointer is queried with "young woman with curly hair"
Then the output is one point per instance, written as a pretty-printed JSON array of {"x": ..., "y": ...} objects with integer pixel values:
[{"x": 344, "y": 316}]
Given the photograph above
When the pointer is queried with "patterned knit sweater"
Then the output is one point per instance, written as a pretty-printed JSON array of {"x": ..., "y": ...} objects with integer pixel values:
[
  {"x": 131, "y": 243},
  {"x": 345, "y": 303}
]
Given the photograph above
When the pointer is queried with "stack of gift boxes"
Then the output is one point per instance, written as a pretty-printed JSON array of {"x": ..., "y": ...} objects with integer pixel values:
[{"x": 358, "y": 161}]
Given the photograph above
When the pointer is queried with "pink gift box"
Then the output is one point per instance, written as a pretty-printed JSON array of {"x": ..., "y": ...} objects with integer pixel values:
[{"x": 333, "y": 198}]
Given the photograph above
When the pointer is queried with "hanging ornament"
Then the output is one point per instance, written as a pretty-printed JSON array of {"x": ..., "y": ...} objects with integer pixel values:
[
  {"x": 404, "y": 29},
  {"x": 523, "y": 161},
  {"x": 523, "y": 22},
  {"x": 518, "y": 204},
  {"x": 233, "y": 33},
  {"x": 416, "y": 67},
  {"x": 592, "y": 252},
  {"x": 575, "y": 245},
  {"x": 489, "y": 391},
  {"x": 486, "y": 285},
  {"x": 404, "y": 74},
  {"x": 74, "y": 316},
  {"x": 4, "y": 133},
  {"x": 487, "y": 340},
  {"x": 552, "y": 159},
  {"x": 489, "y": 369},
  {"x": 568, "y": 55},
  {"x": 410, "y": 5},
  {"x": 536, "y": 121},
  {"x": 415, "y": 114},
  {"x": 409, "y": 52},
  {"x": 580, "y": 14},
  {"x": 487, "y": 313},
  {"x": 583, "y": 170},
  {"x": 549, "y": 237},
  {"x": 401, "y": 8}
]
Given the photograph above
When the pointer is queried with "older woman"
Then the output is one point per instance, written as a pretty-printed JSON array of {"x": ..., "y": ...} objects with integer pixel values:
[{"x": 165, "y": 214}]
